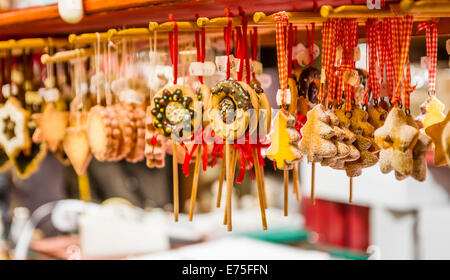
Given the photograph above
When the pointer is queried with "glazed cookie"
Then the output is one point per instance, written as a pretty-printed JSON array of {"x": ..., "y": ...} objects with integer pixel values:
[{"x": 230, "y": 109}]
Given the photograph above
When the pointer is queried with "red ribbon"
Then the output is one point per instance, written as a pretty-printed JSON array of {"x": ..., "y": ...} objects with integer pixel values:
[
  {"x": 173, "y": 44},
  {"x": 244, "y": 46},
  {"x": 254, "y": 46},
  {"x": 431, "y": 41},
  {"x": 228, "y": 33}
]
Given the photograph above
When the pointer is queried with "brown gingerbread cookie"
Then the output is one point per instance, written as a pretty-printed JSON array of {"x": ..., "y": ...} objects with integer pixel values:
[{"x": 317, "y": 132}]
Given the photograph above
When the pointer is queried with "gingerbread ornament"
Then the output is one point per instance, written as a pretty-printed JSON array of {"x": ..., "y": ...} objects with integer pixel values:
[
  {"x": 230, "y": 109},
  {"x": 14, "y": 134},
  {"x": 432, "y": 112},
  {"x": 172, "y": 112},
  {"x": 155, "y": 144},
  {"x": 446, "y": 141},
  {"x": 103, "y": 132},
  {"x": 76, "y": 143},
  {"x": 436, "y": 132},
  {"x": 284, "y": 141},
  {"x": 397, "y": 139},
  {"x": 51, "y": 126},
  {"x": 317, "y": 132},
  {"x": 137, "y": 152}
]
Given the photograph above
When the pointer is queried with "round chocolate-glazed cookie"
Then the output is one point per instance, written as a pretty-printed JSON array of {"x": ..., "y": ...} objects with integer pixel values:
[
  {"x": 172, "y": 109},
  {"x": 308, "y": 84},
  {"x": 230, "y": 107}
]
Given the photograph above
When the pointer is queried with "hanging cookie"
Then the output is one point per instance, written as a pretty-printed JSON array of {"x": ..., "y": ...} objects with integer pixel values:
[
  {"x": 137, "y": 152},
  {"x": 76, "y": 144},
  {"x": 172, "y": 112},
  {"x": 317, "y": 132},
  {"x": 432, "y": 112},
  {"x": 229, "y": 109},
  {"x": 440, "y": 140},
  {"x": 14, "y": 134},
  {"x": 103, "y": 131},
  {"x": 284, "y": 141},
  {"x": 397, "y": 140},
  {"x": 155, "y": 144},
  {"x": 52, "y": 125}
]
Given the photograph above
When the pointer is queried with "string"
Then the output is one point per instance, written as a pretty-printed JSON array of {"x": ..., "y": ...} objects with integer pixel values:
[
  {"x": 173, "y": 44},
  {"x": 97, "y": 64}
]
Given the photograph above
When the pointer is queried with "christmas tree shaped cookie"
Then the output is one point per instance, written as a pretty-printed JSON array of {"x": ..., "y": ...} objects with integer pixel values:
[
  {"x": 284, "y": 141},
  {"x": 317, "y": 132},
  {"x": 432, "y": 111}
]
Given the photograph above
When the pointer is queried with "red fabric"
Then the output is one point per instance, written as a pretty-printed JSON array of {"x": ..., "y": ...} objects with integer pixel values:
[
  {"x": 228, "y": 37},
  {"x": 173, "y": 44},
  {"x": 357, "y": 232}
]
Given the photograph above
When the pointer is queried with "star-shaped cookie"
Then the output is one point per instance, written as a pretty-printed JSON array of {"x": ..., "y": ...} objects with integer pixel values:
[
  {"x": 435, "y": 131},
  {"x": 51, "y": 126}
]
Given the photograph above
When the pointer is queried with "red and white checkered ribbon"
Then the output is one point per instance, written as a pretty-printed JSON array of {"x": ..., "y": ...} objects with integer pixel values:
[
  {"x": 404, "y": 29},
  {"x": 348, "y": 37},
  {"x": 432, "y": 41},
  {"x": 328, "y": 59},
  {"x": 373, "y": 53},
  {"x": 282, "y": 20},
  {"x": 388, "y": 49}
]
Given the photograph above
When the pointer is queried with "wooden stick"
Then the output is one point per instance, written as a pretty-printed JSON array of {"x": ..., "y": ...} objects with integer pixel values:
[
  {"x": 221, "y": 178},
  {"x": 296, "y": 183},
  {"x": 260, "y": 190},
  {"x": 176, "y": 196},
  {"x": 350, "y": 199},
  {"x": 233, "y": 166},
  {"x": 229, "y": 172},
  {"x": 261, "y": 172},
  {"x": 313, "y": 171},
  {"x": 195, "y": 183},
  {"x": 286, "y": 185}
]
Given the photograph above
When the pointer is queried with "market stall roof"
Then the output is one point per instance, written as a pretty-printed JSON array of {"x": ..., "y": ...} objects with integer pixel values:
[{"x": 101, "y": 15}]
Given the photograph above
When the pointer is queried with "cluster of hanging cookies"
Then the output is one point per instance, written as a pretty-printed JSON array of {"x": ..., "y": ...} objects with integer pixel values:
[{"x": 341, "y": 117}]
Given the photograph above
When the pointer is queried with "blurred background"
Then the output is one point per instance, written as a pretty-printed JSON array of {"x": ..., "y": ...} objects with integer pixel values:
[{"x": 129, "y": 215}]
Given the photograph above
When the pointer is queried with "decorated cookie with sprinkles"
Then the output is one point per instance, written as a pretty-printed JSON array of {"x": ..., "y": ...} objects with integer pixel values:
[{"x": 172, "y": 111}]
